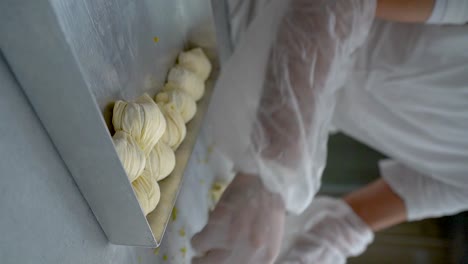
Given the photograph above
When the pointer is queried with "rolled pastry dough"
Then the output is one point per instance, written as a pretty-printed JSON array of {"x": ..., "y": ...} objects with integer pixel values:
[
  {"x": 147, "y": 192},
  {"x": 179, "y": 101},
  {"x": 189, "y": 82},
  {"x": 176, "y": 130},
  {"x": 197, "y": 62},
  {"x": 161, "y": 161},
  {"x": 132, "y": 157},
  {"x": 142, "y": 119}
]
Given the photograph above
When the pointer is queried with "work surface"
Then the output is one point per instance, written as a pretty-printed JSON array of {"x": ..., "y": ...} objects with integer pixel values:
[
  {"x": 45, "y": 219},
  {"x": 123, "y": 48}
]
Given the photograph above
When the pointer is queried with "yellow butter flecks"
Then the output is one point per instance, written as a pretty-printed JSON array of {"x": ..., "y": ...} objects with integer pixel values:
[
  {"x": 174, "y": 214},
  {"x": 139, "y": 259},
  {"x": 216, "y": 191},
  {"x": 183, "y": 251},
  {"x": 209, "y": 151},
  {"x": 216, "y": 187},
  {"x": 165, "y": 257},
  {"x": 182, "y": 232},
  {"x": 156, "y": 251},
  {"x": 156, "y": 39}
]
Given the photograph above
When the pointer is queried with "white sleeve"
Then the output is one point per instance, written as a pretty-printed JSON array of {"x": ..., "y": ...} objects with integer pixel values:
[
  {"x": 449, "y": 12},
  {"x": 424, "y": 196},
  {"x": 274, "y": 100}
]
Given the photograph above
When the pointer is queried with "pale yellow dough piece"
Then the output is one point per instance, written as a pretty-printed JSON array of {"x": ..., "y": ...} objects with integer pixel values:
[
  {"x": 147, "y": 192},
  {"x": 176, "y": 130},
  {"x": 130, "y": 154},
  {"x": 161, "y": 161},
  {"x": 142, "y": 119},
  {"x": 179, "y": 101},
  {"x": 183, "y": 79},
  {"x": 197, "y": 62}
]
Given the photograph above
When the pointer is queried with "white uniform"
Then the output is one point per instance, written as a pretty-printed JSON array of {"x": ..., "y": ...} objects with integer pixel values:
[
  {"x": 304, "y": 63},
  {"x": 407, "y": 96}
]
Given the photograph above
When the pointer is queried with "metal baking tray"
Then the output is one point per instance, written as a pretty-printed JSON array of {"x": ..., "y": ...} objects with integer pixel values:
[{"x": 74, "y": 58}]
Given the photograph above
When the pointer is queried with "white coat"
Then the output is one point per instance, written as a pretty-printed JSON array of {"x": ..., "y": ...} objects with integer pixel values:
[{"x": 407, "y": 96}]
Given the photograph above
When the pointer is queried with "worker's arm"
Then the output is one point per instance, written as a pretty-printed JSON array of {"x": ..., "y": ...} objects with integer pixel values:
[
  {"x": 341, "y": 228},
  {"x": 308, "y": 63},
  {"x": 377, "y": 205},
  {"x": 424, "y": 11},
  {"x": 405, "y": 10},
  {"x": 405, "y": 194},
  {"x": 423, "y": 196}
]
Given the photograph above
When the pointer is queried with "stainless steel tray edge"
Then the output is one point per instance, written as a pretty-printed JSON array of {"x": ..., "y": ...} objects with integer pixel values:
[{"x": 41, "y": 59}]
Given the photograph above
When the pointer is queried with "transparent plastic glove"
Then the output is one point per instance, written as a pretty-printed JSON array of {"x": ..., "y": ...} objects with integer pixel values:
[
  {"x": 245, "y": 227},
  {"x": 275, "y": 97},
  {"x": 335, "y": 233}
]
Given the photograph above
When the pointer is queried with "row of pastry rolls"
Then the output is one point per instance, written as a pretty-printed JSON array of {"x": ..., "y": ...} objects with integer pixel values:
[{"x": 149, "y": 131}]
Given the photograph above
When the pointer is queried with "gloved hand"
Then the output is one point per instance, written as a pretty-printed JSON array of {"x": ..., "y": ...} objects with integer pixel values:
[
  {"x": 245, "y": 227},
  {"x": 335, "y": 233}
]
